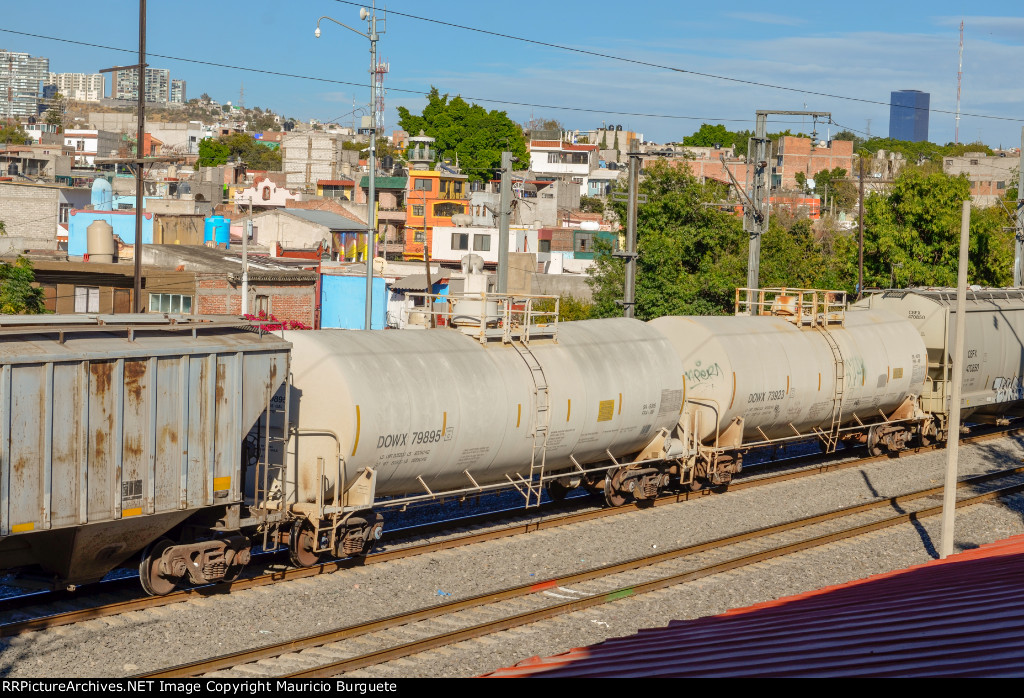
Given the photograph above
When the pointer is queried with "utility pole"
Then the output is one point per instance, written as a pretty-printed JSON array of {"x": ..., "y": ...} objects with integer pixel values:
[
  {"x": 504, "y": 213},
  {"x": 139, "y": 155},
  {"x": 628, "y": 302},
  {"x": 953, "y": 437},
  {"x": 860, "y": 241},
  {"x": 245, "y": 261},
  {"x": 755, "y": 218},
  {"x": 1018, "y": 259}
]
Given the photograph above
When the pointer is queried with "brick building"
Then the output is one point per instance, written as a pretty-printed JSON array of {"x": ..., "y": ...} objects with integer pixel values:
[
  {"x": 990, "y": 175},
  {"x": 794, "y": 155}
]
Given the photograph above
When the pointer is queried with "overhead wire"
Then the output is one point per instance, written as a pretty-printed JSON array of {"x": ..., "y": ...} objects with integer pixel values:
[{"x": 675, "y": 69}]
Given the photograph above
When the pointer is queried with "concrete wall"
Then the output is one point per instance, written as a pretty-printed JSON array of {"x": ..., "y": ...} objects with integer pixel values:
[
  {"x": 178, "y": 229},
  {"x": 343, "y": 302},
  {"x": 274, "y": 226},
  {"x": 30, "y": 213},
  {"x": 309, "y": 157}
]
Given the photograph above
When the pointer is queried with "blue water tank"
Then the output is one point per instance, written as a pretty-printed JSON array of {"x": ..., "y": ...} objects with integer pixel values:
[
  {"x": 102, "y": 196},
  {"x": 217, "y": 229}
]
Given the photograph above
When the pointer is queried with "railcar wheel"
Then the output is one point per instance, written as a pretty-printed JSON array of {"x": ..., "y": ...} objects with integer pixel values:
[
  {"x": 153, "y": 582},
  {"x": 302, "y": 546},
  {"x": 614, "y": 496}
]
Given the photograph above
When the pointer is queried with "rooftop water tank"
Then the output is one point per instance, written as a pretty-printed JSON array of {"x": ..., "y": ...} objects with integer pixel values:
[
  {"x": 100, "y": 242},
  {"x": 217, "y": 231},
  {"x": 102, "y": 197}
]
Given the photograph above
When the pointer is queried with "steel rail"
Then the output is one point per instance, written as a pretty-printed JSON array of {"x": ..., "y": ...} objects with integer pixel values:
[
  {"x": 277, "y": 649},
  {"x": 142, "y": 603}
]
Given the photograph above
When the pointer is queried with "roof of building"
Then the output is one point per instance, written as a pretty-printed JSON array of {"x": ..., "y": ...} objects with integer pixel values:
[
  {"x": 335, "y": 182},
  {"x": 962, "y": 616},
  {"x": 417, "y": 282},
  {"x": 562, "y": 145},
  {"x": 201, "y": 260},
  {"x": 328, "y": 219},
  {"x": 384, "y": 182}
]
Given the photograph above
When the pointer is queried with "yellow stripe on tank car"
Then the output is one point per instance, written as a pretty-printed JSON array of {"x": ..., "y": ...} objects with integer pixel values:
[
  {"x": 358, "y": 425},
  {"x": 733, "y": 398},
  {"x": 131, "y": 512},
  {"x": 22, "y": 528},
  {"x": 683, "y": 403},
  {"x": 819, "y": 381},
  {"x": 444, "y": 423},
  {"x": 787, "y": 385},
  {"x": 620, "y": 403},
  {"x": 519, "y": 415},
  {"x": 568, "y": 411}
]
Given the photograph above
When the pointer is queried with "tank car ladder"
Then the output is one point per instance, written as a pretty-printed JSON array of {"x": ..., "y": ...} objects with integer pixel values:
[
  {"x": 268, "y": 471},
  {"x": 533, "y": 487},
  {"x": 831, "y": 439}
]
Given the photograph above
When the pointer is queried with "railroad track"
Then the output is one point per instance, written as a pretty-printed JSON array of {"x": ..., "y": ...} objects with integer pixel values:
[
  {"x": 115, "y": 606},
  {"x": 342, "y": 650}
]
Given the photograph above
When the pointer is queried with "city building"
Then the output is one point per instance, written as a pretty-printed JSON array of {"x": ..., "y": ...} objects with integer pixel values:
[
  {"x": 178, "y": 92},
  {"x": 908, "y": 115},
  {"x": 125, "y": 84},
  {"x": 990, "y": 175},
  {"x": 563, "y": 160},
  {"x": 794, "y": 154},
  {"x": 92, "y": 143},
  {"x": 21, "y": 79},
  {"x": 81, "y": 87}
]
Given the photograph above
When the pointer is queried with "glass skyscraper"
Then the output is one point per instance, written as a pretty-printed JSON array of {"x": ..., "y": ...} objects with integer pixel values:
[{"x": 908, "y": 115}]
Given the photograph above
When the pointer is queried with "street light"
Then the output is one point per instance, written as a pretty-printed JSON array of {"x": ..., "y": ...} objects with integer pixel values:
[{"x": 371, "y": 210}]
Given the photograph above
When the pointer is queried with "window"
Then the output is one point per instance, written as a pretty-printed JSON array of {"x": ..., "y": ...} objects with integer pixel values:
[
  {"x": 417, "y": 210},
  {"x": 1000, "y": 185},
  {"x": 553, "y": 158},
  {"x": 170, "y": 303},
  {"x": 460, "y": 241},
  {"x": 419, "y": 236},
  {"x": 80, "y": 145},
  {"x": 87, "y": 299},
  {"x": 65, "y": 211},
  {"x": 544, "y": 245},
  {"x": 422, "y": 185},
  {"x": 262, "y": 306},
  {"x": 447, "y": 210},
  {"x": 577, "y": 180},
  {"x": 974, "y": 162},
  {"x": 482, "y": 243},
  {"x": 584, "y": 242},
  {"x": 266, "y": 193},
  {"x": 457, "y": 187}
]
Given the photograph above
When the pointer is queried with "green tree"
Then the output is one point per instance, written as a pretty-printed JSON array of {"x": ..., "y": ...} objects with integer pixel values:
[
  {"x": 912, "y": 236},
  {"x": 12, "y": 133},
  {"x": 710, "y": 134},
  {"x": 213, "y": 152},
  {"x": 263, "y": 122},
  {"x": 591, "y": 204},
  {"x": 17, "y": 295},
  {"x": 569, "y": 308},
  {"x": 691, "y": 256},
  {"x": 470, "y": 133}
]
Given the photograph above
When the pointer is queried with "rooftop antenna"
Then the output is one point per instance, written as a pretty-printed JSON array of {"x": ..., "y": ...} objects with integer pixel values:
[{"x": 959, "y": 78}]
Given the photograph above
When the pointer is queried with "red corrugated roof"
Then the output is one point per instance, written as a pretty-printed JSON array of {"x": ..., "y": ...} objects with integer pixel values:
[{"x": 963, "y": 616}]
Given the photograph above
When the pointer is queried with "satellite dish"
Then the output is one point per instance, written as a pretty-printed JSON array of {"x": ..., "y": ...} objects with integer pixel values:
[{"x": 810, "y": 184}]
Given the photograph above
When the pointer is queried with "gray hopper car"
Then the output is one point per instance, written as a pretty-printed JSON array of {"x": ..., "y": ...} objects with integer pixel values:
[{"x": 113, "y": 435}]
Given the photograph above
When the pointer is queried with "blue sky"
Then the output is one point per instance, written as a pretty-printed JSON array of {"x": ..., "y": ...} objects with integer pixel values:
[{"x": 861, "y": 50}]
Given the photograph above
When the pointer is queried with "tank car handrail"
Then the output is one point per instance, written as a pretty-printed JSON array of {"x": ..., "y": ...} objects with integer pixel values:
[
  {"x": 802, "y": 306},
  {"x": 488, "y": 317}
]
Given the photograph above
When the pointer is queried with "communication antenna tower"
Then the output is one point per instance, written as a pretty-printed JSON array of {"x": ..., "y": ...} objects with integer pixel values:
[
  {"x": 959, "y": 78},
  {"x": 382, "y": 68}
]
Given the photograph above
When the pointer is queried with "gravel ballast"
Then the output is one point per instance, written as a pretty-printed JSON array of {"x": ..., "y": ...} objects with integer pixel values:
[{"x": 153, "y": 639}]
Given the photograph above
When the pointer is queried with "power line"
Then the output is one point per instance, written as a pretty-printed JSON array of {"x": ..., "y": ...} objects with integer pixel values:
[
  {"x": 661, "y": 66},
  {"x": 501, "y": 101}
]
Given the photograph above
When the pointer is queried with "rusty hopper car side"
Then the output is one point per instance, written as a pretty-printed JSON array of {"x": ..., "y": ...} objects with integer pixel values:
[{"x": 112, "y": 435}]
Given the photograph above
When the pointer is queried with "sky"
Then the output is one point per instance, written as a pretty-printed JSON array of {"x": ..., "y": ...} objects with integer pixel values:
[{"x": 649, "y": 80}]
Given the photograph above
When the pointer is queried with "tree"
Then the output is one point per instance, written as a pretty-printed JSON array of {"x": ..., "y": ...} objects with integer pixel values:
[
  {"x": 691, "y": 256},
  {"x": 912, "y": 236},
  {"x": 591, "y": 204},
  {"x": 710, "y": 134},
  {"x": 17, "y": 295},
  {"x": 55, "y": 114},
  {"x": 12, "y": 133},
  {"x": 469, "y": 133},
  {"x": 213, "y": 152},
  {"x": 263, "y": 122},
  {"x": 255, "y": 154}
]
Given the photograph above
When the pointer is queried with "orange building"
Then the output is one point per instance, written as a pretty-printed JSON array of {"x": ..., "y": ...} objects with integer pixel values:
[{"x": 432, "y": 199}]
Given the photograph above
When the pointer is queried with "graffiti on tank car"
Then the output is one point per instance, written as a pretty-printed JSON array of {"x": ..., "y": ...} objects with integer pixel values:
[
  {"x": 1008, "y": 389},
  {"x": 698, "y": 374}
]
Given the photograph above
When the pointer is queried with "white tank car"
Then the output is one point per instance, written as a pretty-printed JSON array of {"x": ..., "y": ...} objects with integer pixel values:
[
  {"x": 781, "y": 378},
  {"x": 437, "y": 409},
  {"x": 993, "y": 346}
]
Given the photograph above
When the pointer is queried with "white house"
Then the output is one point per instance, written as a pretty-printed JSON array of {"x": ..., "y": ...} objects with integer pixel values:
[{"x": 451, "y": 244}]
